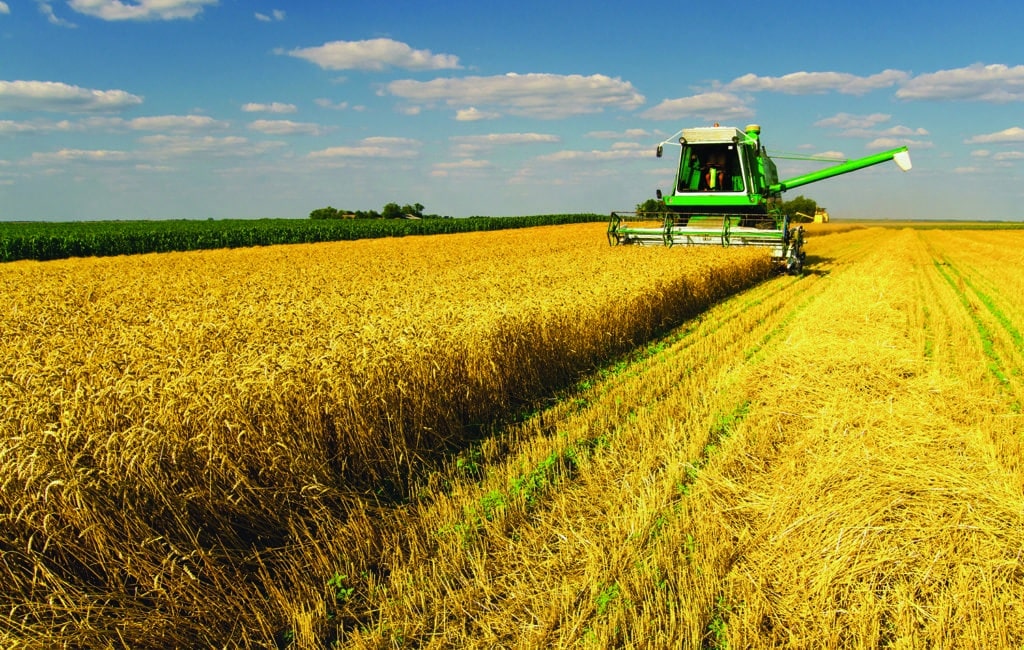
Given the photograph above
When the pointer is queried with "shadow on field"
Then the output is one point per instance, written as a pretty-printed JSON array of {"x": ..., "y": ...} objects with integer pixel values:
[{"x": 813, "y": 264}]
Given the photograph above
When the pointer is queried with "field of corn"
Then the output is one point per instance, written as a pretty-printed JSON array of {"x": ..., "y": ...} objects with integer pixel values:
[
  {"x": 44, "y": 240},
  {"x": 516, "y": 439}
]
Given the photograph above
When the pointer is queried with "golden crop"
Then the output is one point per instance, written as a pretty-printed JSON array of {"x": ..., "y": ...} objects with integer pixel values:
[
  {"x": 323, "y": 445},
  {"x": 175, "y": 424}
]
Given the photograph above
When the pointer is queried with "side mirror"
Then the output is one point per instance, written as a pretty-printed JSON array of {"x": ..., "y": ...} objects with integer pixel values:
[
  {"x": 658, "y": 194},
  {"x": 658, "y": 151}
]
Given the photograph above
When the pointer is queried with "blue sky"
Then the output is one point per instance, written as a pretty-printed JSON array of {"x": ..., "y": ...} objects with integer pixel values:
[{"x": 123, "y": 109}]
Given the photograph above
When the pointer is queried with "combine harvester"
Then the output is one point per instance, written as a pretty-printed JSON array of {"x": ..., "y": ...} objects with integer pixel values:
[{"x": 727, "y": 192}]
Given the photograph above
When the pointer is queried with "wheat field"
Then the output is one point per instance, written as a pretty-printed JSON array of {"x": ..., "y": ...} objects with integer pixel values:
[{"x": 523, "y": 439}]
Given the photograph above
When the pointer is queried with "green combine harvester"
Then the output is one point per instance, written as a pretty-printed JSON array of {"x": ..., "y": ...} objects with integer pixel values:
[{"x": 727, "y": 193}]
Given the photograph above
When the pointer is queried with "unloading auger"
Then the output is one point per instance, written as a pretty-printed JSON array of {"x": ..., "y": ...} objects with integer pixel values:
[{"x": 727, "y": 193}]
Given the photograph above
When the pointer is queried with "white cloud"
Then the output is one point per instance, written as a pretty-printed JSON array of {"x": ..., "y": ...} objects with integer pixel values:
[
  {"x": 892, "y": 143},
  {"x": 46, "y": 9},
  {"x": 865, "y": 126},
  {"x": 275, "y": 16},
  {"x": 151, "y": 123},
  {"x": 473, "y": 114},
  {"x": 375, "y": 54},
  {"x": 623, "y": 150},
  {"x": 174, "y": 123},
  {"x": 848, "y": 121},
  {"x": 60, "y": 97},
  {"x": 711, "y": 105},
  {"x": 140, "y": 9},
  {"x": 504, "y": 138},
  {"x": 806, "y": 83},
  {"x": 1012, "y": 134},
  {"x": 286, "y": 127},
  {"x": 4, "y": 9},
  {"x": 471, "y": 145},
  {"x": 273, "y": 107},
  {"x": 1009, "y": 155},
  {"x": 617, "y": 135},
  {"x": 986, "y": 83},
  {"x": 459, "y": 167},
  {"x": 10, "y": 127},
  {"x": 74, "y": 155},
  {"x": 326, "y": 103},
  {"x": 173, "y": 146},
  {"x": 372, "y": 147},
  {"x": 541, "y": 95}
]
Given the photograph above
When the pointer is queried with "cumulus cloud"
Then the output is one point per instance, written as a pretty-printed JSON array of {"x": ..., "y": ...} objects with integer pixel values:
[
  {"x": 326, "y": 103},
  {"x": 710, "y": 105},
  {"x": 286, "y": 127},
  {"x": 273, "y": 107},
  {"x": 1008, "y": 155},
  {"x": 372, "y": 147},
  {"x": 886, "y": 142},
  {"x": 491, "y": 139},
  {"x": 618, "y": 135},
  {"x": 472, "y": 114},
  {"x": 8, "y": 127},
  {"x": 55, "y": 96},
  {"x": 174, "y": 123},
  {"x": 470, "y": 145},
  {"x": 807, "y": 83},
  {"x": 868, "y": 127},
  {"x": 849, "y": 121},
  {"x": 1012, "y": 134},
  {"x": 4, "y": 9},
  {"x": 141, "y": 9},
  {"x": 275, "y": 16},
  {"x": 446, "y": 169},
  {"x": 986, "y": 83},
  {"x": 541, "y": 95},
  {"x": 374, "y": 54},
  {"x": 174, "y": 146},
  {"x": 152, "y": 123},
  {"x": 75, "y": 155},
  {"x": 620, "y": 151},
  {"x": 46, "y": 9}
]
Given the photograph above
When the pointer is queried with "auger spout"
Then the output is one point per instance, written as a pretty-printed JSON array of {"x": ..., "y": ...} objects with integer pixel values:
[{"x": 901, "y": 155}]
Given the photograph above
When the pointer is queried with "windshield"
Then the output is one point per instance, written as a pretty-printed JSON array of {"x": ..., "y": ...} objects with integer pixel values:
[{"x": 710, "y": 168}]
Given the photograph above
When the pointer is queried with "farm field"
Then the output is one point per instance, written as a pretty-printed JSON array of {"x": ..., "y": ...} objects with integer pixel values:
[
  {"x": 343, "y": 445},
  {"x": 45, "y": 240}
]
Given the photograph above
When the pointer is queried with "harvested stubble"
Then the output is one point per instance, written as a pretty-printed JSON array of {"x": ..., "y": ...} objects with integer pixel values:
[{"x": 191, "y": 442}]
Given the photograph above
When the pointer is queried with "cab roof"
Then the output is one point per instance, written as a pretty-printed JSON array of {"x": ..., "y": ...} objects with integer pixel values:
[{"x": 712, "y": 135}]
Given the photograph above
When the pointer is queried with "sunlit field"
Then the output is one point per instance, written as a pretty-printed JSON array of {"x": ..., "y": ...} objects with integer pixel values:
[{"x": 517, "y": 439}]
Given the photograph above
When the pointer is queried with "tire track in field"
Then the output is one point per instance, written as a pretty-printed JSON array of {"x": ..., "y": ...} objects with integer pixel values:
[
  {"x": 993, "y": 337},
  {"x": 849, "y": 502}
]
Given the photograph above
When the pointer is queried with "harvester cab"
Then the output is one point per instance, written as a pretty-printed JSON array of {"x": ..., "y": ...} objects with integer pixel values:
[{"x": 727, "y": 192}]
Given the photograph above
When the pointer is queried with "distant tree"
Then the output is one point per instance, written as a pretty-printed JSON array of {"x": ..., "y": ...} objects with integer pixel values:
[
  {"x": 800, "y": 204},
  {"x": 415, "y": 210},
  {"x": 652, "y": 205},
  {"x": 392, "y": 211},
  {"x": 325, "y": 213}
]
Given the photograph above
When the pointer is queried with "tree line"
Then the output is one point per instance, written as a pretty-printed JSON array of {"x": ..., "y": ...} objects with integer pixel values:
[
  {"x": 799, "y": 204},
  {"x": 389, "y": 211}
]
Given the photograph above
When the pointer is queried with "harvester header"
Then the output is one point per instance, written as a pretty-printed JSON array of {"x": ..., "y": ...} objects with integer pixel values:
[{"x": 727, "y": 192}]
